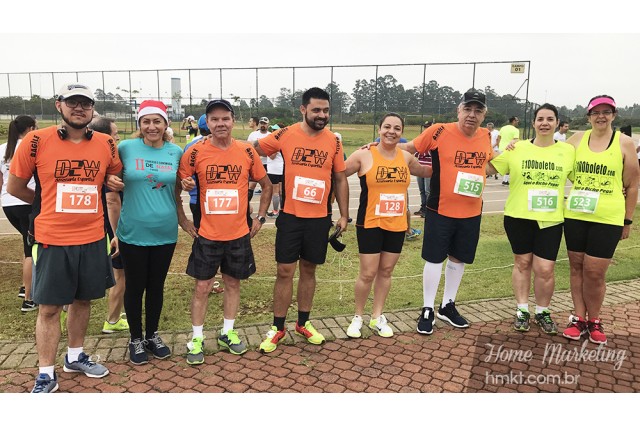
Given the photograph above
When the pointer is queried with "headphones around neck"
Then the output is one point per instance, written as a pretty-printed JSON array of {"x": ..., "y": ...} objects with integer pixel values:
[{"x": 64, "y": 134}]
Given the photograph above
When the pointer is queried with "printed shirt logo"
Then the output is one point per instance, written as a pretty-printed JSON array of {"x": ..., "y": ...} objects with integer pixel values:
[
  {"x": 223, "y": 174},
  {"x": 593, "y": 176},
  {"x": 392, "y": 174},
  {"x": 309, "y": 157},
  {"x": 470, "y": 159},
  {"x": 541, "y": 173},
  {"x": 154, "y": 182},
  {"x": 76, "y": 170}
]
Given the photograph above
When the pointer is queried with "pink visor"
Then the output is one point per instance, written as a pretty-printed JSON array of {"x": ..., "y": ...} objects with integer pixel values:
[{"x": 601, "y": 100}]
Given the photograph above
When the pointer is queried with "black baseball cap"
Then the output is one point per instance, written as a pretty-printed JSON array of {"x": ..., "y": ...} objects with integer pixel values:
[
  {"x": 219, "y": 103},
  {"x": 473, "y": 95}
]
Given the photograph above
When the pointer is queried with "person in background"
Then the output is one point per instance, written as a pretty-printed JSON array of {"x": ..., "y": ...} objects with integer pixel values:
[
  {"x": 561, "y": 134},
  {"x": 384, "y": 173},
  {"x": 261, "y": 131},
  {"x": 275, "y": 166},
  {"x": 190, "y": 125},
  {"x": 423, "y": 183},
  {"x": 147, "y": 230},
  {"x": 533, "y": 214},
  {"x": 494, "y": 141},
  {"x": 16, "y": 210},
  {"x": 507, "y": 134},
  {"x": 598, "y": 213},
  {"x": 115, "y": 303}
]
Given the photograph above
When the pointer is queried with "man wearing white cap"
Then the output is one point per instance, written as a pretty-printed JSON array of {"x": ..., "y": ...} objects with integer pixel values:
[
  {"x": 261, "y": 132},
  {"x": 71, "y": 263}
]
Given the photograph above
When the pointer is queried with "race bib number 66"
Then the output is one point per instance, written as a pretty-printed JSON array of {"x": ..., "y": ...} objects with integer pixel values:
[{"x": 308, "y": 190}]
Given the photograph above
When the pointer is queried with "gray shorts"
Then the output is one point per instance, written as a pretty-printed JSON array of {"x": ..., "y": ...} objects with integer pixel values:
[{"x": 62, "y": 274}]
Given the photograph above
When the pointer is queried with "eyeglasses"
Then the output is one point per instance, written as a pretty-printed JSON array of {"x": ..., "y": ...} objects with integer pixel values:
[
  {"x": 605, "y": 113},
  {"x": 73, "y": 103},
  {"x": 476, "y": 111}
]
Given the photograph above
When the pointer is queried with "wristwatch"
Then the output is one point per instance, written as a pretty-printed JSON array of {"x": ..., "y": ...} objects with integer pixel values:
[
  {"x": 627, "y": 221},
  {"x": 261, "y": 219}
]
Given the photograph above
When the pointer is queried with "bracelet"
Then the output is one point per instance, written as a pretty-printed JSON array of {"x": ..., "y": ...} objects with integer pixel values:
[{"x": 627, "y": 221}]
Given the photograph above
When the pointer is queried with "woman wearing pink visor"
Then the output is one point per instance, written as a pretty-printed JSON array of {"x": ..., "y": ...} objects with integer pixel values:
[{"x": 597, "y": 213}]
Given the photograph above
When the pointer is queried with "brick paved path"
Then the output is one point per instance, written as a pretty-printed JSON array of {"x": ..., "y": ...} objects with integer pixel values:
[{"x": 487, "y": 357}]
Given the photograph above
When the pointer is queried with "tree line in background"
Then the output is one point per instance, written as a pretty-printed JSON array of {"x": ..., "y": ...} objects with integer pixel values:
[{"x": 368, "y": 101}]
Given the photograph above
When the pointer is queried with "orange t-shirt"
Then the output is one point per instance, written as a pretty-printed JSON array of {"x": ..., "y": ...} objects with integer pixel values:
[
  {"x": 309, "y": 162},
  {"x": 459, "y": 162},
  {"x": 383, "y": 199},
  {"x": 223, "y": 183},
  {"x": 69, "y": 178}
]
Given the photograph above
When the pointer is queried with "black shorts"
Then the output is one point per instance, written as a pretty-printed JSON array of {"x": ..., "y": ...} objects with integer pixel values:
[
  {"x": 304, "y": 238},
  {"x": 527, "y": 237},
  {"x": 275, "y": 179},
  {"x": 593, "y": 238},
  {"x": 66, "y": 273},
  {"x": 443, "y": 236},
  {"x": 234, "y": 258},
  {"x": 117, "y": 263},
  {"x": 376, "y": 240},
  {"x": 18, "y": 216}
]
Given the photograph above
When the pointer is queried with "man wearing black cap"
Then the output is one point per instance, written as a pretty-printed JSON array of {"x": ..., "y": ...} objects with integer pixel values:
[
  {"x": 459, "y": 154},
  {"x": 223, "y": 167},
  {"x": 72, "y": 266}
]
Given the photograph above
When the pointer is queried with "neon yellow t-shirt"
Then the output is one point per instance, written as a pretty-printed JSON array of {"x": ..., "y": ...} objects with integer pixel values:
[
  {"x": 597, "y": 195},
  {"x": 507, "y": 133},
  {"x": 538, "y": 176}
]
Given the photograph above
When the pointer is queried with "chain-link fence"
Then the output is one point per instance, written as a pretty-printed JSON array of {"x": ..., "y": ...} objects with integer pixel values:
[{"x": 360, "y": 94}]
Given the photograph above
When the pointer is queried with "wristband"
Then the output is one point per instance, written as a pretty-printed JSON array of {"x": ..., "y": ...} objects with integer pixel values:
[{"x": 627, "y": 221}]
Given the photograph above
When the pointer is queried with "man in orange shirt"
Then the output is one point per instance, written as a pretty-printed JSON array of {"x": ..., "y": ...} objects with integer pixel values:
[
  {"x": 460, "y": 152},
  {"x": 312, "y": 156},
  {"x": 223, "y": 167},
  {"x": 71, "y": 260}
]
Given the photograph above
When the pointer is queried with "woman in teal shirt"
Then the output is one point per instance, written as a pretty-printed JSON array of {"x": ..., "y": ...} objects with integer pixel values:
[{"x": 148, "y": 227}]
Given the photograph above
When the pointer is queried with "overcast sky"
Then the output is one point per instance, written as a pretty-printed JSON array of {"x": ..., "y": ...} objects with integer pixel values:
[{"x": 568, "y": 65}]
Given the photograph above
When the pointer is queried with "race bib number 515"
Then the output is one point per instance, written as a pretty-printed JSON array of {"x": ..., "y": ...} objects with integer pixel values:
[{"x": 468, "y": 184}]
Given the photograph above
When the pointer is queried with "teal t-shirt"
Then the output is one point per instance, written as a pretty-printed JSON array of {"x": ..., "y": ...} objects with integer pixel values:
[{"x": 148, "y": 216}]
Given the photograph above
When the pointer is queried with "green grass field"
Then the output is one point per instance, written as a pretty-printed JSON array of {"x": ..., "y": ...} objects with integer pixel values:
[{"x": 488, "y": 277}]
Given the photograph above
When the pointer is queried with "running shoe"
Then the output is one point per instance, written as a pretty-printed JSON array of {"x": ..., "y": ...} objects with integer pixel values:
[
  {"x": 21, "y": 292},
  {"x": 85, "y": 366},
  {"x": 273, "y": 214},
  {"x": 425, "y": 321},
  {"x": 195, "y": 356},
  {"x": 522, "y": 321},
  {"x": 28, "y": 306},
  {"x": 45, "y": 384},
  {"x": 353, "y": 331},
  {"x": 232, "y": 342},
  {"x": 274, "y": 336},
  {"x": 546, "y": 323},
  {"x": 576, "y": 328},
  {"x": 310, "y": 333},
  {"x": 450, "y": 314},
  {"x": 257, "y": 191},
  {"x": 596, "y": 333},
  {"x": 381, "y": 327},
  {"x": 155, "y": 346},
  {"x": 137, "y": 354},
  {"x": 119, "y": 326},
  {"x": 412, "y": 234}
]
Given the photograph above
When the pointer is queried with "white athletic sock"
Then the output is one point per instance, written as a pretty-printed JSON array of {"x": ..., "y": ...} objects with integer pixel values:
[
  {"x": 523, "y": 307},
  {"x": 197, "y": 331},
  {"x": 453, "y": 272},
  {"x": 540, "y": 309},
  {"x": 227, "y": 325},
  {"x": 430, "y": 281},
  {"x": 73, "y": 353},
  {"x": 46, "y": 370}
]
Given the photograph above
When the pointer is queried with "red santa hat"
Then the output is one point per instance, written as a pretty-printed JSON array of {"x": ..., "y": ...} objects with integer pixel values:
[{"x": 153, "y": 107}]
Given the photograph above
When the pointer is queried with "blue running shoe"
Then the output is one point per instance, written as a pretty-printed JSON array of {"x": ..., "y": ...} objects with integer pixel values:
[{"x": 86, "y": 366}]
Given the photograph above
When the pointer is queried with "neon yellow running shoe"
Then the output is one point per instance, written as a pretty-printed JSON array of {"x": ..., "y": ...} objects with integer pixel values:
[
  {"x": 232, "y": 342},
  {"x": 270, "y": 343},
  {"x": 310, "y": 333},
  {"x": 196, "y": 354},
  {"x": 119, "y": 326}
]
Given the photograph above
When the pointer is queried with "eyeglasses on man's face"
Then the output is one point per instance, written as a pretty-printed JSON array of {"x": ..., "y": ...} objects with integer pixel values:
[{"x": 73, "y": 103}]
